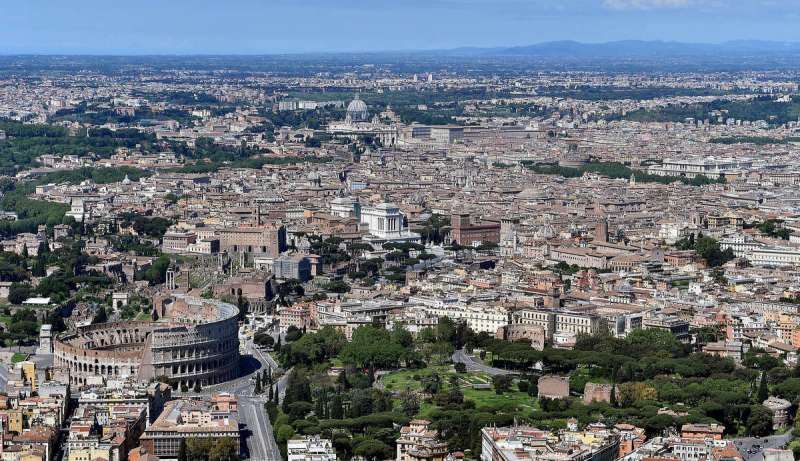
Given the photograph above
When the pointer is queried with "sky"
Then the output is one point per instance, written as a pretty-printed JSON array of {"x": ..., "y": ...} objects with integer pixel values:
[{"x": 301, "y": 26}]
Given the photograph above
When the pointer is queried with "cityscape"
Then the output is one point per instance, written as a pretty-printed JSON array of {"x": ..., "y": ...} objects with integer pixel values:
[{"x": 491, "y": 244}]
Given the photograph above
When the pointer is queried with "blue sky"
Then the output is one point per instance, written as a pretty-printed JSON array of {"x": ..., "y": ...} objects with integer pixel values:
[{"x": 286, "y": 26}]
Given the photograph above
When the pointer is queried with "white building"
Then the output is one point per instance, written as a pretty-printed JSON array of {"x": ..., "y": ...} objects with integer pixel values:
[
  {"x": 709, "y": 166},
  {"x": 671, "y": 232},
  {"x": 479, "y": 317},
  {"x": 77, "y": 209},
  {"x": 559, "y": 321},
  {"x": 740, "y": 244},
  {"x": 346, "y": 207},
  {"x": 775, "y": 256},
  {"x": 311, "y": 448},
  {"x": 287, "y": 105},
  {"x": 385, "y": 223},
  {"x": 357, "y": 123}
]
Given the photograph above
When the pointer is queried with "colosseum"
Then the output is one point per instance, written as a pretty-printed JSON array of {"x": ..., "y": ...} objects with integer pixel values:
[{"x": 188, "y": 340}]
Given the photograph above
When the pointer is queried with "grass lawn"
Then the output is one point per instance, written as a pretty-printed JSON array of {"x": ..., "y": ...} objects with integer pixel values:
[
  {"x": 142, "y": 316},
  {"x": 483, "y": 398},
  {"x": 404, "y": 379},
  {"x": 18, "y": 357},
  {"x": 5, "y": 319},
  {"x": 509, "y": 401}
]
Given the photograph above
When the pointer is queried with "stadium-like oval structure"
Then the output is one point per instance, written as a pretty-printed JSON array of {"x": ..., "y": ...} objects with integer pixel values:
[{"x": 190, "y": 339}]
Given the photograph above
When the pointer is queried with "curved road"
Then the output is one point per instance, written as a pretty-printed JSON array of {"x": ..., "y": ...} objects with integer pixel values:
[{"x": 460, "y": 356}]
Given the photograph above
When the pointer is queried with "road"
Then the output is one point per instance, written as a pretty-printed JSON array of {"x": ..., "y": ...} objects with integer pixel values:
[
  {"x": 460, "y": 356},
  {"x": 3, "y": 377},
  {"x": 259, "y": 440},
  {"x": 746, "y": 443}
]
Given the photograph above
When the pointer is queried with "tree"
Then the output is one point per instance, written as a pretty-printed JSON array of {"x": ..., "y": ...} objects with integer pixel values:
[
  {"x": 101, "y": 316},
  {"x": 298, "y": 389},
  {"x": 337, "y": 411},
  {"x": 533, "y": 388},
  {"x": 656, "y": 424},
  {"x": 502, "y": 383},
  {"x": 342, "y": 381},
  {"x": 759, "y": 423},
  {"x": 257, "y": 388},
  {"x": 707, "y": 334},
  {"x": 709, "y": 249},
  {"x": 182, "y": 455},
  {"x": 460, "y": 367},
  {"x": 24, "y": 329},
  {"x": 199, "y": 448},
  {"x": 431, "y": 383},
  {"x": 402, "y": 336},
  {"x": 446, "y": 330},
  {"x": 314, "y": 348},
  {"x": 283, "y": 433},
  {"x": 360, "y": 403},
  {"x": 157, "y": 272},
  {"x": 454, "y": 395},
  {"x": 263, "y": 339},
  {"x": 293, "y": 333},
  {"x": 409, "y": 403},
  {"x": 19, "y": 292},
  {"x": 763, "y": 390},
  {"x": 38, "y": 268},
  {"x": 55, "y": 319},
  {"x": 630, "y": 393},
  {"x": 373, "y": 346},
  {"x": 642, "y": 342},
  {"x": 373, "y": 450},
  {"x": 297, "y": 410},
  {"x": 224, "y": 449},
  {"x": 759, "y": 359},
  {"x": 320, "y": 403}
]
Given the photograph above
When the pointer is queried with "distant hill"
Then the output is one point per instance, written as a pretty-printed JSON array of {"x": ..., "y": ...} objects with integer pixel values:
[
  {"x": 637, "y": 49},
  {"x": 619, "y": 56}
]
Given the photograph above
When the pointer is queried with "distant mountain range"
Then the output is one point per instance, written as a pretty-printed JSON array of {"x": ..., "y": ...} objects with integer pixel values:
[
  {"x": 619, "y": 56},
  {"x": 636, "y": 49}
]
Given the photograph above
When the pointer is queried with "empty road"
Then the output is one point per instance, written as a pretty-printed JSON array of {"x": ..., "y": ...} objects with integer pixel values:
[{"x": 460, "y": 356}]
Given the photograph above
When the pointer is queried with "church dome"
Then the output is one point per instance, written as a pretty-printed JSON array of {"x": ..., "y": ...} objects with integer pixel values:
[{"x": 357, "y": 110}]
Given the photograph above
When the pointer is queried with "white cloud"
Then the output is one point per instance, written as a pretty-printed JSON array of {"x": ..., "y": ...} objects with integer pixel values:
[{"x": 647, "y": 4}]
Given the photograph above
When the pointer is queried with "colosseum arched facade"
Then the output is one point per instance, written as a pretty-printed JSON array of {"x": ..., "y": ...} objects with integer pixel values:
[{"x": 190, "y": 340}]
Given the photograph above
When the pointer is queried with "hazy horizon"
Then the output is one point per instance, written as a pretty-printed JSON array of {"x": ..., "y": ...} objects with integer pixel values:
[{"x": 248, "y": 27}]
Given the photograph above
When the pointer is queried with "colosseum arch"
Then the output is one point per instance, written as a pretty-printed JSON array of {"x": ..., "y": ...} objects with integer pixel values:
[{"x": 202, "y": 347}]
